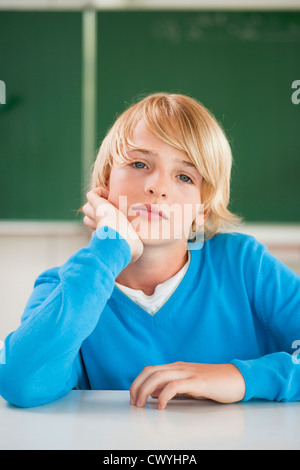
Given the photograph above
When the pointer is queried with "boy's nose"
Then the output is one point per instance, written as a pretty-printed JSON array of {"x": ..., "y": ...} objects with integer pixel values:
[
  {"x": 155, "y": 192},
  {"x": 156, "y": 187}
]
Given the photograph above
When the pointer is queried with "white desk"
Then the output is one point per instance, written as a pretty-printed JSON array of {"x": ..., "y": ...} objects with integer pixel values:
[{"x": 105, "y": 420}]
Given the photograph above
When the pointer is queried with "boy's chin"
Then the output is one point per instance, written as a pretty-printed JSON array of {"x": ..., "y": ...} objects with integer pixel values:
[
  {"x": 156, "y": 240},
  {"x": 157, "y": 234}
]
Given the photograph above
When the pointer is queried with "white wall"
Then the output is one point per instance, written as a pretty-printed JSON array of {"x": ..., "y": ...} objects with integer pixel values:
[{"x": 28, "y": 248}]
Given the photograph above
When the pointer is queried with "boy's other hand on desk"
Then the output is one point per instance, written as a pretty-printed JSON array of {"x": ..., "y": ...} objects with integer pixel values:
[
  {"x": 219, "y": 382},
  {"x": 100, "y": 212}
]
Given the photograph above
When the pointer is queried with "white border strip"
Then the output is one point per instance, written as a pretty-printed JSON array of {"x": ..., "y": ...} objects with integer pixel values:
[{"x": 150, "y": 4}]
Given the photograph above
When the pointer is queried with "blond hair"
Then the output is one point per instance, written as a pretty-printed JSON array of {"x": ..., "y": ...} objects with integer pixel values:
[{"x": 188, "y": 126}]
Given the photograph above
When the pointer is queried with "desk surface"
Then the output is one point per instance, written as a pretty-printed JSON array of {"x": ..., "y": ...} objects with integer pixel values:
[{"x": 105, "y": 420}]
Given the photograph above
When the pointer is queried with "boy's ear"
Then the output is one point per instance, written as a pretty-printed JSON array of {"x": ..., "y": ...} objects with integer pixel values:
[{"x": 201, "y": 217}]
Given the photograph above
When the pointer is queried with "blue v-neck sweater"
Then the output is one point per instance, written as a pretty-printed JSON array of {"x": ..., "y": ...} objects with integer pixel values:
[{"x": 236, "y": 304}]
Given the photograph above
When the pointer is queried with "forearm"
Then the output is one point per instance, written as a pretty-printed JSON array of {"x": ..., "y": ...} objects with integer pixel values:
[{"x": 41, "y": 356}]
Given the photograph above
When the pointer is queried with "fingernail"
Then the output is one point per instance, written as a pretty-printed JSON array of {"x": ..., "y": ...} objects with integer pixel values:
[
  {"x": 138, "y": 402},
  {"x": 131, "y": 401}
]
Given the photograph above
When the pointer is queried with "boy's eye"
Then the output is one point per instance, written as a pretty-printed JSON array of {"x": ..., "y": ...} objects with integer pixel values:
[
  {"x": 185, "y": 179},
  {"x": 139, "y": 165}
]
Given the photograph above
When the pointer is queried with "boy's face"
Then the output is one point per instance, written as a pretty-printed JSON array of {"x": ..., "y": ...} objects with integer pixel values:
[{"x": 159, "y": 191}]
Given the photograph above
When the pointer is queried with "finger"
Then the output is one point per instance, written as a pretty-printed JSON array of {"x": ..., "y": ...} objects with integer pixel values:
[
  {"x": 94, "y": 194},
  {"x": 176, "y": 387},
  {"x": 149, "y": 370},
  {"x": 158, "y": 380},
  {"x": 146, "y": 372},
  {"x": 93, "y": 198},
  {"x": 89, "y": 222},
  {"x": 156, "y": 392},
  {"x": 100, "y": 205},
  {"x": 100, "y": 191},
  {"x": 88, "y": 210}
]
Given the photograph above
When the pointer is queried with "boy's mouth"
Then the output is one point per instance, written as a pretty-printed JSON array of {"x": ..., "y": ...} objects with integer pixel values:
[{"x": 151, "y": 211}]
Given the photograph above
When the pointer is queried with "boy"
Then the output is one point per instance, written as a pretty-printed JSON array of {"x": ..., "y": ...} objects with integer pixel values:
[{"x": 162, "y": 301}]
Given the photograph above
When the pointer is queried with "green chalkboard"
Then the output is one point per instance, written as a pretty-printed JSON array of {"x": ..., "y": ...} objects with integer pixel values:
[
  {"x": 240, "y": 65},
  {"x": 40, "y": 124}
]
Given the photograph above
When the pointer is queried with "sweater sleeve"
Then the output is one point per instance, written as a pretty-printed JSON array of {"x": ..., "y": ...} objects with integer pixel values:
[
  {"x": 41, "y": 359},
  {"x": 275, "y": 376}
]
